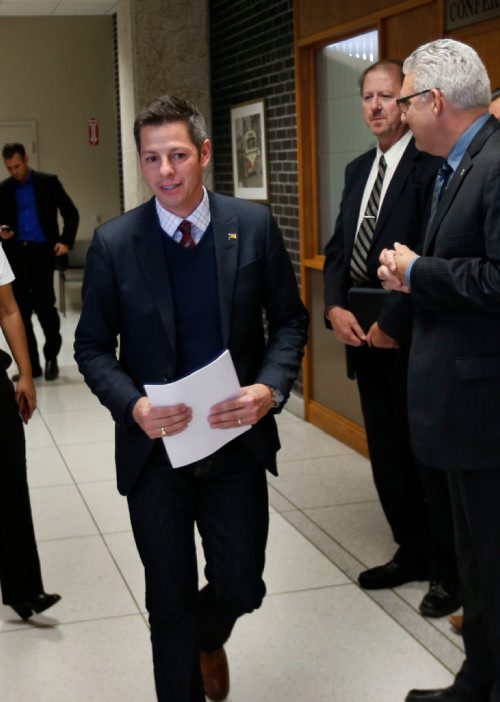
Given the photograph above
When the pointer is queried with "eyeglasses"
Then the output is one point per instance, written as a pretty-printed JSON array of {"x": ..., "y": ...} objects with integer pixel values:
[{"x": 404, "y": 102}]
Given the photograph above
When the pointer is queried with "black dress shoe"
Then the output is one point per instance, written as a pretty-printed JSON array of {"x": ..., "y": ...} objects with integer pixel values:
[
  {"x": 51, "y": 369},
  {"x": 38, "y": 603},
  {"x": 391, "y": 574},
  {"x": 447, "y": 694},
  {"x": 439, "y": 601},
  {"x": 35, "y": 373}
]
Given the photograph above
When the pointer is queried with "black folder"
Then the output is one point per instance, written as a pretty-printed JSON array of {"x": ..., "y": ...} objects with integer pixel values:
[{"x": 365, "y": 304}]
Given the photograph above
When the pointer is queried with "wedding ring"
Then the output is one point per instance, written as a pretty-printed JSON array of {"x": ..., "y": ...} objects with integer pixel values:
[
  {"x": 163, "y": 432},
  {"x": 239, "y": 421}
]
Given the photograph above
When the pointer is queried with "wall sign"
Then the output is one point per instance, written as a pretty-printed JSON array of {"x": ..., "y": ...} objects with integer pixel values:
[
  {"x": 93, "y": 131},
  {"x": 459, "y": 13}
]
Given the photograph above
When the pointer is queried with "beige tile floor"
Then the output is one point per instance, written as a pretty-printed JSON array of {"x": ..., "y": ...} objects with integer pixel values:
[{"x": 317, "y": 638}]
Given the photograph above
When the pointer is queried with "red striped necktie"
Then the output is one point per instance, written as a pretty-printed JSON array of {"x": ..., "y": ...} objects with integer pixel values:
[{"x": 187, "y": 240}]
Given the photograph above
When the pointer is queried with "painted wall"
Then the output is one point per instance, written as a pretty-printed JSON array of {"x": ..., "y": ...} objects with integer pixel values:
[{"x": 59, "y": 71}]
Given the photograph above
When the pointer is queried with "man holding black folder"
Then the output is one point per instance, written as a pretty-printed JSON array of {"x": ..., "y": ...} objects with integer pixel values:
[{"x": 386, "y": 196}]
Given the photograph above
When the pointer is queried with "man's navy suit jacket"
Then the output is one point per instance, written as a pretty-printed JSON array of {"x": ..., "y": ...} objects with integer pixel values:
[
  {"x": 454, "y": 372},
  {"x": 402, "y": 218},
  {"x": 50, "y": 198},
  {"x": 127, "y": 294}
]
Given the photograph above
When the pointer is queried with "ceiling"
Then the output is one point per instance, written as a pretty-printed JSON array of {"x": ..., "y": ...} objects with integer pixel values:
[{"x": 32, "y": 8}]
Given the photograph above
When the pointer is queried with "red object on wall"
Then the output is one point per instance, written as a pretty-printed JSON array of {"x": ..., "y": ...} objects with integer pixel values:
[{"x": 93, "y": 131}]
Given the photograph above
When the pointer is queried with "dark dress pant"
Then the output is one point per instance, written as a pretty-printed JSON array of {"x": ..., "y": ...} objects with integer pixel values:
[
  {"x": 33, "y": 266},
  {"x": 475, "y": 496},
  {"x": 20, "y": 575},
  {"x": 416, "y": 502},
  {"x": 226, "y": 498}
]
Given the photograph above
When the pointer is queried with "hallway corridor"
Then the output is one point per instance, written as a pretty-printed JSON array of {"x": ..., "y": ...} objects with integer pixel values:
[{"x": 317, "y": 638}]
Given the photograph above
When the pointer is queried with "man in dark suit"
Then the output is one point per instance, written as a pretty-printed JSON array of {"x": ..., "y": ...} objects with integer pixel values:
[
  {"x": 180, "y": 279},
  {"x": 30, "y": 202},
  {"x": 454, "y": 371},
  {"x": 422, "y": 528}
]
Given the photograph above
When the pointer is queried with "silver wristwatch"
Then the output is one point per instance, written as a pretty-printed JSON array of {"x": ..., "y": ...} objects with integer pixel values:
[{"x": 276, "y": 396}]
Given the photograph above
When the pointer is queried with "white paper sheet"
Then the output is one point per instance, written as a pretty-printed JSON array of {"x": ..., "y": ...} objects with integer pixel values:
[{"x": 216, "y": 382}]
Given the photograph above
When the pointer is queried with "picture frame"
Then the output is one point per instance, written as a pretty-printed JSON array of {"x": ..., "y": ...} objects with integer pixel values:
[{"x": 249, "y": 150}]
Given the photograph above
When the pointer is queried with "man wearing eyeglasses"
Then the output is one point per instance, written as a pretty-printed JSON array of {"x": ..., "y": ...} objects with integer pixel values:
[
  {"x": 454, "y": 370},
  {"x": 385, "y": 197}
]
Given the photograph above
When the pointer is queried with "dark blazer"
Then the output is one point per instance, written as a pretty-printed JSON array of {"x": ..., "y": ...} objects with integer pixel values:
[
  {"x": 402, "y": 218},
  {"x": 454, "y": 376},
  {"x": 127, "y": 292},
  {"x": 50, "y": 198}
]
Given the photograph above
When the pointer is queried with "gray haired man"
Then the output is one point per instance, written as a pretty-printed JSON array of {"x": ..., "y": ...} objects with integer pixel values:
[{"x": 454, "y": 371}]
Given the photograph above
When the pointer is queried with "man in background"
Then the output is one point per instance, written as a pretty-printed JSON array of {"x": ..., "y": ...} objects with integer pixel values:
[
  {"x": 454, "y": 370},
  {"x": 30, "y": 202},
  {"x": 386, "y": 195}
]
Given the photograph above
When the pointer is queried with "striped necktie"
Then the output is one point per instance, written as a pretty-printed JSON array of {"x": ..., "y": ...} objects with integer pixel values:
[
  {"x": 364, "y": 238},
  {"x": 187, "y": 240}
]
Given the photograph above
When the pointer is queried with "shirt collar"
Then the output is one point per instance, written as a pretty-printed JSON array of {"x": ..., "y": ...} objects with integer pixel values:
[
  {"x": 393, "y": 155},
  {"x": 199, "y": 218},
  {"x": 460, "y": 147}
]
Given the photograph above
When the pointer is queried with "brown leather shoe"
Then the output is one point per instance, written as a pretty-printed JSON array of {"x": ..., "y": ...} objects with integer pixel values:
[
  {"x": 215, "y": 674},
  {"x": 456, "y": 622}
]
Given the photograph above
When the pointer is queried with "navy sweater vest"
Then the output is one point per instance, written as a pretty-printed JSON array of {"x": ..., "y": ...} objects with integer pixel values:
[{"x": 193, "y": 276}]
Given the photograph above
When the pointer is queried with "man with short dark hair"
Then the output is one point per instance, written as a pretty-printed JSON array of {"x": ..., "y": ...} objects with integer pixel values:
[
  {"x": 386, "y": 194},
  {"x": 30, "y": 202},
  {"x": 454, "y": 370},
  {"x": 180, "y": 279}
]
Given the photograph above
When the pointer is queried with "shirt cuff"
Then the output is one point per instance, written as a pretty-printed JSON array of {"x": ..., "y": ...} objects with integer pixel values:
[{"x": 408, "y": 271}]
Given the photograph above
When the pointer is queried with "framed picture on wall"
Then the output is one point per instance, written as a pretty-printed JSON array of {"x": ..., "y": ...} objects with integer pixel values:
[{"x": 248, "y": 142}]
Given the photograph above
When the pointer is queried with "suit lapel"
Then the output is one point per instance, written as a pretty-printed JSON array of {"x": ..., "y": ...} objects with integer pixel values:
[
  {"x": 150, "y": 254},
  {"x": 447, "y": 198},
  {"x": 356, "y": 196},
  {"x": 398, "y": 182},
  {"x": 225, "y": 226},
  {"x": 459, "y": 177}
]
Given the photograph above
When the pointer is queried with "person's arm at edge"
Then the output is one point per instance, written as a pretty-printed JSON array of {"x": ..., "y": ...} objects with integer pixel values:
[{"x": 13, "y": 329}]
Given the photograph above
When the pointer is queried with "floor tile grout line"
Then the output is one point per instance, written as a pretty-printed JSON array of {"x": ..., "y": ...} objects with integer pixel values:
[
  {"x": 315, "y": 588},
  {"x": 37, "y": 626}
]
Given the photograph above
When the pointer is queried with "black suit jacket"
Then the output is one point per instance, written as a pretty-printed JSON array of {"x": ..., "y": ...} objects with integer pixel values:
[
  {"x": 50, "y": 198},
  {"x": 454, "y": 375},
  {"x": 402, "y": 218},
  {"x": 127, "y": 292}
]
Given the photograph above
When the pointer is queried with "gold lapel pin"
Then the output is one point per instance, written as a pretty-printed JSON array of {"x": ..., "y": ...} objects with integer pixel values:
[
  {"x": 462, "y": 171},
  {"x": 232, "y": 236}
]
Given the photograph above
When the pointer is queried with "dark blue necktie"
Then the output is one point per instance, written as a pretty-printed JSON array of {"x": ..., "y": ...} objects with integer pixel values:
[{"x": 442, "y": 178}]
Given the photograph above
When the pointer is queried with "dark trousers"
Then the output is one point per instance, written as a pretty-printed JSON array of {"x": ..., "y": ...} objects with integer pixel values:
[
  {"x": 33, "y": 287},
  {"x": 475, "y": 498},
  {"x": 20, "y": 575},
  {"x": 416, "y": 502},
  {"x": 227, "y": 500}
]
